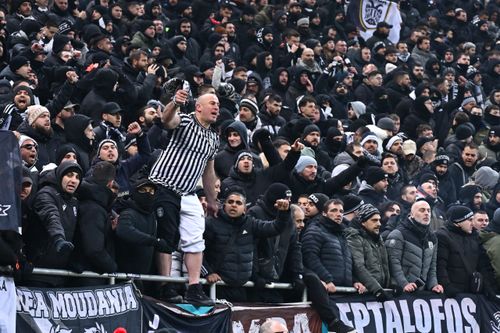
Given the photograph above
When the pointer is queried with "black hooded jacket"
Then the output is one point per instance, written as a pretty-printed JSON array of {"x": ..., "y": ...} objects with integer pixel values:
[
  {"x": 418, "y": 115},
  {"x": 74, "y": 128}
]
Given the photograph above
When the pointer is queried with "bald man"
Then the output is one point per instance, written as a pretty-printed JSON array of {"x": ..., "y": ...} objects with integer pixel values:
[
  {"x": 272, "y": 326},
  {"x": 412, "y": 250}
]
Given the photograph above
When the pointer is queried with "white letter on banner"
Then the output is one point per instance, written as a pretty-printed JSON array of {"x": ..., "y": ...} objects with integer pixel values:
[
  {"x": 453, "y": 316},
  {"x": 91, "y": 303},
  {"x": 423, "y": 321},
  {"x": 41, "y": 308},
  {"x": 408, "y": 326},
  {"x": 468, "y": 308},
  {"x": 344, "y": 309},
  {"x": 237, "y": 327},
  {"x": 437, "y": 315},
  {"x": 24, "y": 301},
  {"x": 103, "y": 305},
  {"x": 300, "y": 323},
  {"x": 361, "y": 316},
  {"x": 375, "y": 308},
  {"x": 58, "y": 306},
  {"x": 130, "y": 298},
  {"x": 393, "y": 317},
  {"x": 81, "y": 305},
  {"x": 70, "y": 305}
]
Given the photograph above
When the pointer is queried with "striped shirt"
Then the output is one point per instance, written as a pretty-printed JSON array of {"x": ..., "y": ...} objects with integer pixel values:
[{"x": 181, "y": 164}]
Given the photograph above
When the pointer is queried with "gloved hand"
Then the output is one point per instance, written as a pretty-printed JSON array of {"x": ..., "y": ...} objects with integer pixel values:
[
  {"x": 260, "y": 135},
  {"x": 160, "y": 245},
  {"x": 362, "y": 162},
  {"x": 75, "y": 267},
  {"x": 22, "y": 269},
  {"x": 382, "y": 296},
  {"x": 63, "y": 247},
  {"x": 298, "y": 284}
]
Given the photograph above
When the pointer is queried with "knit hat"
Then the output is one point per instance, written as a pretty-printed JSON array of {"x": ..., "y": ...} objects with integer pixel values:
[
  {"x": 303, "y": 162},
  {"x": 468, "y": 100},
  {"x": 463, "y": 132},
  {"x": 23, "y": 138},
  {"x": 145, "y": 24},
  {"x": 59, "y": 41},
  {"x": 373, "y": 175},
  {"x": 369, "y": 136},
  {"x": 467, "y": 192},
  {"x": 240, "y": 155},
  {"x": 441, "y": 159},
  {"x": 30, "y": 26},
  {"x": 64, "y": 150},
  {"x": 485, "y": 177},
  {"x": 66, "y": 167},
  {"x": 449, "y": 70},
  {"x": 459, "y": 213},
  {"x": 377, "y": 46},
  {"x": 302, "y": 21},
  {"x": 64, "y": 27},
  {"x": 389, "y": 142},
  {"x": 494, "y": 130},
  {"x": 427, "y": 176},
  {"x": 409, "y": 147},
  {"x": 274, "y": 192},
  {"x": 130, "y": 140},
  {"x": 319, "y": 200},
  {"x": 351, "y": 203},
  {"x": 249, "y": 104},
  {"x": 366, "y": 211},
  {"x": 18, "y": 62},
  {"x": 496, "y": 216},
  {"x": 309, "y": 129},
  {"x": 35, "y": 111},
  {"x": 103, "y": 142},
  {"x": 386, "y": 123},
  {"x": 238, "y": 84}
]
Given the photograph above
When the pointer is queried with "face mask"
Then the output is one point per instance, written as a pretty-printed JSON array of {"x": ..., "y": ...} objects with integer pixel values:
[{"x": 145, "y": 201}]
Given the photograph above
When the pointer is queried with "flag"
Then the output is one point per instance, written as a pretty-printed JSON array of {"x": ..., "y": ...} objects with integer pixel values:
[
  {"x": 10, "y": 175},
  {"x": 365, "y": 14}
]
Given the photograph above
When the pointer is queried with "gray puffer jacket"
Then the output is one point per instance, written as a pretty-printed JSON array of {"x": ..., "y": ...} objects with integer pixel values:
[
  {"x": 412, "y": 249},
  {"x": 369, "y": 256}
]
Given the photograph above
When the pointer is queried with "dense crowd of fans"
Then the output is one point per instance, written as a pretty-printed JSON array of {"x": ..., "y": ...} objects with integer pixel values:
[{"x": 383, "y": 154}]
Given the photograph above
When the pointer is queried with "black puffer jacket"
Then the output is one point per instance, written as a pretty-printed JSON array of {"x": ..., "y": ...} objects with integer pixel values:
[
  {"x": 234, "y": 265},
  {"x": 95, "y": 246},
  {"x": 458, "y": 256},
  {"x": 325, "y": 252}
]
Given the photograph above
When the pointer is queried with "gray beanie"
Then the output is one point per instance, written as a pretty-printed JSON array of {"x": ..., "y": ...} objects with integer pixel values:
[{"x": 303, "y": 162}]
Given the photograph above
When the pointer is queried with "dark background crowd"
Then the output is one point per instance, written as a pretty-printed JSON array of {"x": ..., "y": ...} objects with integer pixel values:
[{"x": 406, "y": 130}]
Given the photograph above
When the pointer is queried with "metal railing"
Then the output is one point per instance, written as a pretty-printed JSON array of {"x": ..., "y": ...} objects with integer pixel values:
[{"x": 112, "y": 277}]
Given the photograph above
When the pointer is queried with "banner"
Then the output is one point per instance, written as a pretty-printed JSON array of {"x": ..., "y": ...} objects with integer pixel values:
[
  {"x": 184, "y": 318},
  {"x": 365, "y": 14},
  {"x": 298, "y": 317},
  {"x": 422, "y": 313},
  {"x": 79, "y": 310},
  {"x": 10, "y": 174}
]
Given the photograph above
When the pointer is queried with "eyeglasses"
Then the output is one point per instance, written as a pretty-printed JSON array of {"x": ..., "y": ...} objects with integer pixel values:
[
  {"x": 232, "y": 202},
  {"x": 29, "y": 146}
]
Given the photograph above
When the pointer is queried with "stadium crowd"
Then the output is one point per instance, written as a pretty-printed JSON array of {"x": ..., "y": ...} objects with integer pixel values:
[{"x": 337, "y": 161}]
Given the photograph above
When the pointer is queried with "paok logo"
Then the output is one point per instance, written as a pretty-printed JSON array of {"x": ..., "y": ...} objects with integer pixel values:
[
  {"x": 4, "y": 209},
  {"x": 59, "y": 329},
  {"x": 99, "y": 328},
  {"x": 495, "y": 325},
  {"x": 372, "y": 12}
]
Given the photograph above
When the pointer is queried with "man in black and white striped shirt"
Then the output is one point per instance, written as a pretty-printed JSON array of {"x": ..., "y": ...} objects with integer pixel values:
[{"x": 188, "y": 156}]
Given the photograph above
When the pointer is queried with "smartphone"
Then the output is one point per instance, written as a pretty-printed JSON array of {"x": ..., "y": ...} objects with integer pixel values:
[{"x": 419, "y": 283}]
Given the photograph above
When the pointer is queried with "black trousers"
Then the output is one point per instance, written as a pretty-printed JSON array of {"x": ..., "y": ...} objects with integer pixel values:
[{"x": 321, "y": 301}]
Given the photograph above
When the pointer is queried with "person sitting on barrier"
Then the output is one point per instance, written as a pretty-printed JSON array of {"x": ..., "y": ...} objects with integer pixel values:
[
  {"x": 230, "y": 241},
  {"x": 279, "y": 258},
  {"x": 412, "y": 250},
  {"x": 370, "y": 261},
  {"x": 50, "y": 230},
  {"x": 328, "y": 263},
  {"x": 95, "y": 241},
  {"x": 460, "y": 259}
]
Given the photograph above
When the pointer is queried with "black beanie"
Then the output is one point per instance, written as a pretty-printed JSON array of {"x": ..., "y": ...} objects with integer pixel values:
[
  {"x": 467, "y": 192},
  {"x": 30, "y": 26},
  {"x": 459, "y": 213},
  {"x": 319, "y": 200},
  {"x": 351, "y": 203},
  {"x": 238, "y": 84},
  {"x": 309, "y": 129},
  {"x": 426, "y": 176},
  {"x": 17, "y": 62},
  {"x": 59, "y": 42},
  {"x": 274, "y": 192},
  {"x": 463, "y": 132},
  {"x": 144, "y": 24},
  {"x": 373, "y": 175}
]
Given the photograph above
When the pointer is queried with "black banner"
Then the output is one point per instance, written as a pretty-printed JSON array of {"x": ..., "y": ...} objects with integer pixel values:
[
  {"x": 10, "y": 175},
  {"x": 184, "y": 318},
  {"x": 422, "y": 313},
  {"x": 75, "y": 310}
]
